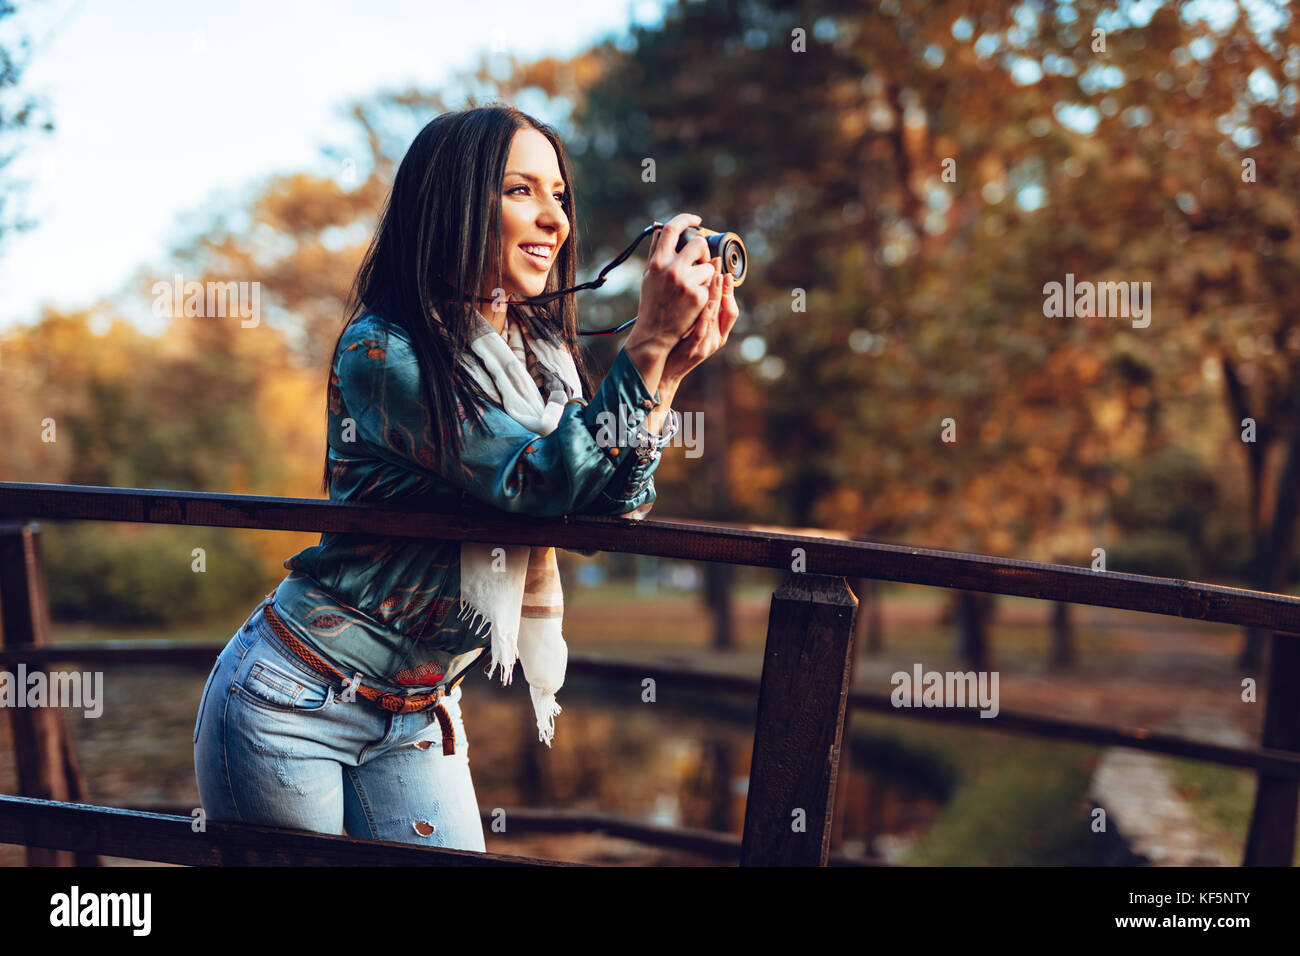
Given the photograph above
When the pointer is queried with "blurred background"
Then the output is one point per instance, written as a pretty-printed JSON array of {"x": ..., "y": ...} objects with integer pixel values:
[{"x": 907, "y": 176}]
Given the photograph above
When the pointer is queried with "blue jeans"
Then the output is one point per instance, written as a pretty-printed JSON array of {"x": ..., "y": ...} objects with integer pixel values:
[{"x": 273, "y": 745}]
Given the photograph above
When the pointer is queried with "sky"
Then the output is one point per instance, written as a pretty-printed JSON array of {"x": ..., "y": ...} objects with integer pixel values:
[{"x": 164, "y": 110}]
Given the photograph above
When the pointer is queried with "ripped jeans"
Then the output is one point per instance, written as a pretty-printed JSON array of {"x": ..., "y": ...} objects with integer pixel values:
[{"x": 273, "y": 746}]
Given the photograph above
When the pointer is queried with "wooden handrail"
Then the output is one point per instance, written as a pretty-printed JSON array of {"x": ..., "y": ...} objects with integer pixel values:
[
  {"x": 669, "y": 539},
  {"x": 165, "y": 838}
]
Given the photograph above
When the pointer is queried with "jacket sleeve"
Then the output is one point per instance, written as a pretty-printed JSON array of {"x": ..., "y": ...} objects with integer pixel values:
[{"x": 587, "y": 465}]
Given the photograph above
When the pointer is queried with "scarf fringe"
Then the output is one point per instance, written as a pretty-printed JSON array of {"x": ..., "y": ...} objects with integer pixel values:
[
  {"x": 480, "y": 625},
  {"x": 546, "y": 709},
  {"x": 478, "y": 620}
]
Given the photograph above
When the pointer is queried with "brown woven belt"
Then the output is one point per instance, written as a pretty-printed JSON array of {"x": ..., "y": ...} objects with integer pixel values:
[{"x": 388, "y": 701}]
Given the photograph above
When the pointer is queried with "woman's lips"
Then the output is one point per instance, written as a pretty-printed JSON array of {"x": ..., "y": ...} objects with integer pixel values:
[{"x": 542, "y": 262}]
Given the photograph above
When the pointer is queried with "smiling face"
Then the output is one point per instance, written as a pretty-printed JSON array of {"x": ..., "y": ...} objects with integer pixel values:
[{"x": 533, "y": 223}]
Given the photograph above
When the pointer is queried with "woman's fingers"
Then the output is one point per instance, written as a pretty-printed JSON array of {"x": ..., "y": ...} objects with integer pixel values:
[
  {"x": 712, "y": 325},
  {"x": 665, "y": 247},
  {"x": 654, "y": 243},
  {"x": 701, "y": 274},
  {"x": 709, "y": 315},
  {"x": 700, "y": 327},
  {"x": 730, "y": 311}
]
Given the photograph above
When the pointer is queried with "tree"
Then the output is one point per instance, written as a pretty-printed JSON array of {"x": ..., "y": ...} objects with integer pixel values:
[{"x": 18, "y": 121}]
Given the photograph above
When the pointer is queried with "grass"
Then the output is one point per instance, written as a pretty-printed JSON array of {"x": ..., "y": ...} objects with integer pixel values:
[
  {"x": 1027, "y": 811},
  {"x": 1222, "y": 799}
]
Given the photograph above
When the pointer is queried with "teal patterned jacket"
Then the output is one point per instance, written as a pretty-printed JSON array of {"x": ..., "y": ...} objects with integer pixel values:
[{"x": 388, "y": 607}]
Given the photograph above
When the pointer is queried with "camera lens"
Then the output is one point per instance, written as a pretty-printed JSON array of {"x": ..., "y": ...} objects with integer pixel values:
[{"x": 734, "y": 259}]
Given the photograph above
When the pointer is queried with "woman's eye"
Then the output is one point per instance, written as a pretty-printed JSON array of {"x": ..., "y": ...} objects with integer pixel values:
[{"x": 559, "y": 196}]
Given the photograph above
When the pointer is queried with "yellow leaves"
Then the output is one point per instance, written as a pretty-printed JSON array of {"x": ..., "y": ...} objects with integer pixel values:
[
  {"x": 754, "y": 474},
  {"x": 301, "y": 202},
  {"x": 990, "y": 168},
  {"x": 1087, "y": 367},
  {"x": 287, "y": 402},
  {"x": 1038, "y": 457},
  {"x": 586, "y": 69},
  {"x": 1108, "y": 412},
  {"x": 841, "y": 509},
  {"x": 853, "y": 123}
]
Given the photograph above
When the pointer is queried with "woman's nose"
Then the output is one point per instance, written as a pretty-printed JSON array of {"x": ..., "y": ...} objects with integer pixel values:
[{"x": 553, "y": 212}]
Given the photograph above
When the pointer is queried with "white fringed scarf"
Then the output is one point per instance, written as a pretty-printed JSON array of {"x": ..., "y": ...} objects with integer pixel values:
[{"x": 522, "y": 603}]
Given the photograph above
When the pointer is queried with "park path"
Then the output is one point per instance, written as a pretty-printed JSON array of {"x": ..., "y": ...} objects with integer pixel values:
[{"x": 1141, "y": 803}]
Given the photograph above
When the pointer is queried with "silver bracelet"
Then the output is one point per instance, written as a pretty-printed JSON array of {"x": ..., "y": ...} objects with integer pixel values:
[{"x": 647, "y": 445}]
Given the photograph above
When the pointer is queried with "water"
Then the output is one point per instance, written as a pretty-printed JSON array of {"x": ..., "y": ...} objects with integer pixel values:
[{"x": 681, "y": 761}]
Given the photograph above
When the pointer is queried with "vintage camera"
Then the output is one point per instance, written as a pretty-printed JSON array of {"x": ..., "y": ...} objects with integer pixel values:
[{"x": 724, "y": 244}]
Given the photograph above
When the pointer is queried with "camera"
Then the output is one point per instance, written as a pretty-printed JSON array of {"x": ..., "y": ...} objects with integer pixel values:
[{"x": 725, "y": 244}]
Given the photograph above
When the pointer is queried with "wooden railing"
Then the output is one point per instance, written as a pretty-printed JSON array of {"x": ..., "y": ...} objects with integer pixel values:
[{"x": 803, "y": 692}]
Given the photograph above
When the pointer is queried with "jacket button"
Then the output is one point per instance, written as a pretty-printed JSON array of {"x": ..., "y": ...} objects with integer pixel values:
[{"x": 614, "y": 452}]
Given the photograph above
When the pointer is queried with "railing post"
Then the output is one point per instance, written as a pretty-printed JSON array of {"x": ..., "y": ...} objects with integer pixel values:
[
  {"x": 1271, "y": 840},
  {"x": 807, "y": 666},
  {"x": 859, "y": 586},
  {"x": 43, "y": 750}
]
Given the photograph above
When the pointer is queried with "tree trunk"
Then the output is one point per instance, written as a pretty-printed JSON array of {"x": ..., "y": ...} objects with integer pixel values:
[
  {"x": 717, "y": 590},
  {"x": 1275, "y": 542},
  {"x": 974, "y": 610},
  {"x": 1271, "y": 839},
  {"x": 1061, "y": 648},
  {"x": 1256, "y": 452}
]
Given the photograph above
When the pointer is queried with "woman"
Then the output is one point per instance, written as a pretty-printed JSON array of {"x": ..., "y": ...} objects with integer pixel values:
[{"x": 337, "y": 703}]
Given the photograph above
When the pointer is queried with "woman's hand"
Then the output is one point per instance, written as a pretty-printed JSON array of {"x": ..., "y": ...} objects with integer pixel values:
[
  {"x": 674, "y": 286},
  {"x": 709, "y": 333},
  {"x": 674, "y": 290}
]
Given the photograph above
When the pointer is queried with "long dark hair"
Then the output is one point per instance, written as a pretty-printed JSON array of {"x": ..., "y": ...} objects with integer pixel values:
[{"x": 442, "y": 224}]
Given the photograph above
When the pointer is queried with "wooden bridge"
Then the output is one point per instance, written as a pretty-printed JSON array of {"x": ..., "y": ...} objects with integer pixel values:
[{"x": 803, "y": 692}]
